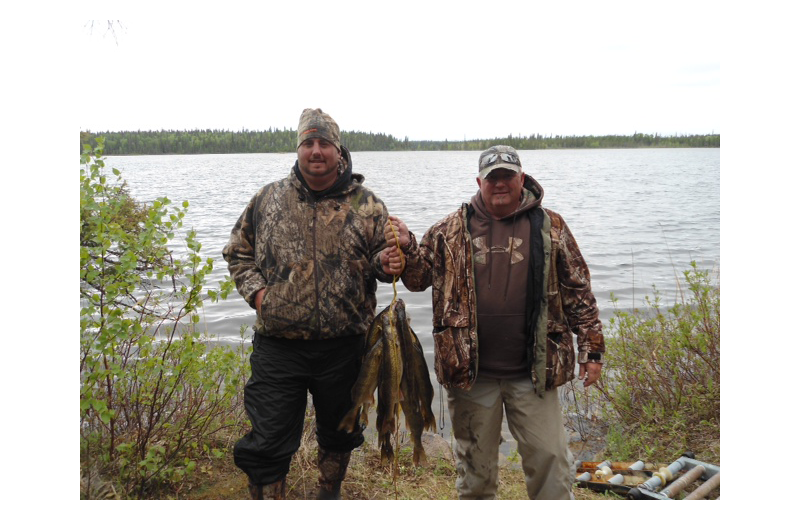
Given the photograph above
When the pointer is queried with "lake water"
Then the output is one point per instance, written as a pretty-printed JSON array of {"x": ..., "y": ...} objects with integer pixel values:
[{"x": 640, "y": 216}]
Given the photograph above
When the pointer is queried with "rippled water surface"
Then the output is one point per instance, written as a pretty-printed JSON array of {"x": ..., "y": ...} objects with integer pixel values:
[{"x": 640, "y": 216}]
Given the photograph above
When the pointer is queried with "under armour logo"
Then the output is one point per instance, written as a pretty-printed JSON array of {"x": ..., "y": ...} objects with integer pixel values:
[{"x": 481, "y": 250}]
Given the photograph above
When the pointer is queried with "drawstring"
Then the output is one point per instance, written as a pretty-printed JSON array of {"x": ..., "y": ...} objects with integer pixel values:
[
  {"x": 441, "y": 409},
  {"x": 402, "y": 261},
  {"x": 489, "y": 252}
]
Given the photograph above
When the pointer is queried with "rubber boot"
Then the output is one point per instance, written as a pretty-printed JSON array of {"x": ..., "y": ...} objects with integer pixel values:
[
  {"x": 274, "y": 491},
  {"x": 332, "y": 468}
]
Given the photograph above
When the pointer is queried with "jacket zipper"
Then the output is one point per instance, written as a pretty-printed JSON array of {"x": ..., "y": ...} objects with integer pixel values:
[
  {"x": 474, "y": 311},
  {"x": 316, "y": 271}
]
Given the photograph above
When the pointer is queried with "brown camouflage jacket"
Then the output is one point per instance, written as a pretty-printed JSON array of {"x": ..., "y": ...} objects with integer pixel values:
[
  {"x": 443, "y": 261},
  {"x": 318, "y": 258}
]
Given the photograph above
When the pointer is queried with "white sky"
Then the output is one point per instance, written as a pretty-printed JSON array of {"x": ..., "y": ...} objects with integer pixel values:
[{"x": 426, "y": 70}]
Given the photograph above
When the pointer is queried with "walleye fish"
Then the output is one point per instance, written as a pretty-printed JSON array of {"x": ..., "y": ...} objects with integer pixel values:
[
  {"x": 394, "y": 364},
  {"x": 391, "y": 375},
  {"x": 363, "y": 391},
  {"x": 416, "y": 388}
]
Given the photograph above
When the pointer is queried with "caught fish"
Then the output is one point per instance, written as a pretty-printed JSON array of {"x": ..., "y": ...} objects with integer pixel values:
[
  {"x": 372, "y": 370},
  {"x": 394, "y": 365},
  {"x": 416, "y": 388},
  {"x": 364, "y": 389},
  {"x": 391, "y": 375}
]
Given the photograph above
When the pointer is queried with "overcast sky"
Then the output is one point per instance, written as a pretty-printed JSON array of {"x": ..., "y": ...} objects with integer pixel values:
[{"x": 425, "y": 70}]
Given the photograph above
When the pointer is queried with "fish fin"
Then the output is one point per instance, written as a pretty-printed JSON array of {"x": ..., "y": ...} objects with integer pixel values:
[{"x": 349, "y": 421}]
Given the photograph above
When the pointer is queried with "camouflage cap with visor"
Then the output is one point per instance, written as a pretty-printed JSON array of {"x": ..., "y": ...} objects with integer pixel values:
[{"x": 496, "y": 158}]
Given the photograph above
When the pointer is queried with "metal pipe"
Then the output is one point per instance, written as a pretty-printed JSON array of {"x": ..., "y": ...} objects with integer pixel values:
[
  {"x": 617, "y": 479},
  {"x": 680, "y": 484},
  {"x": 704, "y": 489},
  {"x": 636, "y": 466},
  {"x": 664, "y": 475}
]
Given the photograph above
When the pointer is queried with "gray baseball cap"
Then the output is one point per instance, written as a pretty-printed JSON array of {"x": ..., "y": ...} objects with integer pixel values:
[{"x": 498, "y": 157}]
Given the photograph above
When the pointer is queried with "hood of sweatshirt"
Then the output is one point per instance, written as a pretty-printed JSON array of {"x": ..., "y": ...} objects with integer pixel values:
[
  {"x": 531, "y": 198},
  {"x": 532, "y": 195}
]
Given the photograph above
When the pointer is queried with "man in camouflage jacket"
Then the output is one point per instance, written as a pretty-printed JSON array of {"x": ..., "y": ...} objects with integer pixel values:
[
  {"x": 508, "y": 345},
  {"x": 305, "y": 255}
]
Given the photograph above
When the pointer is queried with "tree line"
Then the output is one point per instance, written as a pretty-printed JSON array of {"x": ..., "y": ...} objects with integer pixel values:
[{"x": 164, "y": 142}]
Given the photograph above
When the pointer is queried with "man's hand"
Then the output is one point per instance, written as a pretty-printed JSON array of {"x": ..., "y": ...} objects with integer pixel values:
[
  {"x": 395, "y": 225},
  {"x": 397, "y": 236},
  {"x": 259, "y": 299},
  {"x": 589, "y": 373},
  {"x": 392, "y": 262}
]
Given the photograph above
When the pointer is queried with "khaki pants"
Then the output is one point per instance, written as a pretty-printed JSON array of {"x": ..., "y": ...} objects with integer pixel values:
[{"x": 536, "y": 424}]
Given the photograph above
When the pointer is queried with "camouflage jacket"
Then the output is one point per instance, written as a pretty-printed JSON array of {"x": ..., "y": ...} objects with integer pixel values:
[
  {"x": 558, "y": 277},
  {"x": 318, "y": 258}
]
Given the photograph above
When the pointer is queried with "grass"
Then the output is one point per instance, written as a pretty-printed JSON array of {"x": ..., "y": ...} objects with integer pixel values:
[
  {"x": 366, "y": 479},
  {"x": 661, "y": 388},
  {"x": 217, "y": 478}
]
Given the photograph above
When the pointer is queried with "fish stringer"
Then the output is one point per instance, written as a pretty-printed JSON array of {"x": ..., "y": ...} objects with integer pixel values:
[{"x": 402, "y": 261}]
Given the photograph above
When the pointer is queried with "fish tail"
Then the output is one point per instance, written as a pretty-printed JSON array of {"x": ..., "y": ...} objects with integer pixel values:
[
  {"x": 364, "y": 415},
  {"x": 348, "y": 423},
  {"x": 387, "y": 453}
]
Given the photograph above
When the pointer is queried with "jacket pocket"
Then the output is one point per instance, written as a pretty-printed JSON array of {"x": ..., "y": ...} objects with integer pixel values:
[
  {"x": 452, "y": 360},
  {"x": 560, "y": 359}
]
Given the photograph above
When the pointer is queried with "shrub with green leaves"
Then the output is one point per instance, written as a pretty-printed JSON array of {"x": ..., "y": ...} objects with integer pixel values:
[
  {"x": 154, "y": 392},
  {"x": 661, "y": 383}
]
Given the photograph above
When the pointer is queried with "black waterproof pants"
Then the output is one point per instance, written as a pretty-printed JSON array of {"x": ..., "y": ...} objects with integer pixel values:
[{"x": 275, "y": 398}]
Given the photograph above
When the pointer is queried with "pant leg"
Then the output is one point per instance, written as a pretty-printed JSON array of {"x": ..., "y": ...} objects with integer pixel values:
[
  {"x": 275, "y": 400},
  {"x": 537, "y": 425},
  {"x": 476, "y": 417},
  {"x": 334, "y": 372}
]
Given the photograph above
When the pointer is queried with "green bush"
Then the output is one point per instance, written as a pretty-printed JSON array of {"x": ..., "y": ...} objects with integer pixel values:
[
  {"x": 153, "y": 391},
  {"x": 661, "y": 389}
]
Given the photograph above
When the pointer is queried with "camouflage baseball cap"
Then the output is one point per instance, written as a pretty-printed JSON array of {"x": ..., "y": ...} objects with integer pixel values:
[
  {"x": 498, "y": 157},
  {"x": 316, "y": 124}
]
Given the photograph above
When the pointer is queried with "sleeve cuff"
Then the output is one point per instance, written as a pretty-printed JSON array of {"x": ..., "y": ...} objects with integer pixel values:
[
  {"x": 412, "y": 243},
  {"x": 585, "y": 356}
]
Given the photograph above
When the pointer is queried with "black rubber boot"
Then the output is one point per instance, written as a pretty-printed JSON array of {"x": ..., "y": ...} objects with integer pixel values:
[
  {"x": 274, "y": 491},
  {"x": 332, "y": 469}
]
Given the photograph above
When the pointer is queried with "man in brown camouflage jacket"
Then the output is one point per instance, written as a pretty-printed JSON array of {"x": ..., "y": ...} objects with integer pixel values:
[
  {"x": 509, "y": 288},
  {"x": 305, "y": 255}
]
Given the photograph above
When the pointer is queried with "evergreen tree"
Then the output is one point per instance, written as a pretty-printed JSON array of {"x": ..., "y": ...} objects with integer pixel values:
[{"x": 284, "y": 141}]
